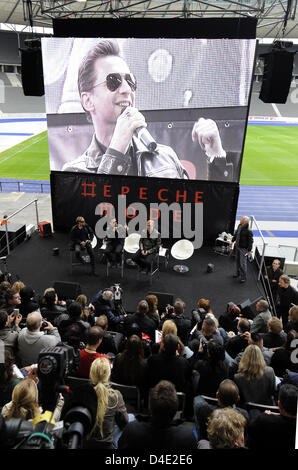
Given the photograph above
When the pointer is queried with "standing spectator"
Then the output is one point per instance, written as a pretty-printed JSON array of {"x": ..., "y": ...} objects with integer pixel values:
[
  {"x": 270, "y": 430},
  {"x": 243, "y": 239},
  {"x": 260, "y": 321},
  {"x": 255, "y": 380},
  {"x": 286, "y": 295},
  {"x": 51, "y": 310},
  {"x": 89, "y": 354},
  {"x": 159, "y": 431},
  {"x": 32, "y": 340},
  {"x": 111, "y": 408},
  {"x": 225, "y": 430}
]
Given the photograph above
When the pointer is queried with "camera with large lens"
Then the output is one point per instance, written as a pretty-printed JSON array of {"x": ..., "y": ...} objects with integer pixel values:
[{"x": 170, "y": 309}]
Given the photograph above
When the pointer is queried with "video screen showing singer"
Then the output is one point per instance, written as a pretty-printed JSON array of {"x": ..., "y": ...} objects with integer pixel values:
[{"x": 121, "y": 145}]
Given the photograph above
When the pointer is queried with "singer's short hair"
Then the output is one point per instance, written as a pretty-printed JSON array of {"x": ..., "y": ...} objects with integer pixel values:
[{"x": 87, "y": 72}]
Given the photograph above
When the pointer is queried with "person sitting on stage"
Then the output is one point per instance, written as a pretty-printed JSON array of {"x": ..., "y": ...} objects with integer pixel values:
[
  {"x": 114, "y": 239},
  {"x": 81, "y": 236},
  {"x": 149, "y": 244}
]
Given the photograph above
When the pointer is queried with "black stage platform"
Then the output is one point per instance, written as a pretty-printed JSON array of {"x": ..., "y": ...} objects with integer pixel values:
[{"x": 34, "y": 263}]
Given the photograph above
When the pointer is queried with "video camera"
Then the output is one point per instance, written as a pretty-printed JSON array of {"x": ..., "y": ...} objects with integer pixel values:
[
  {"x": 118, "y": 292},
  {"x": 79, "y": 411}
]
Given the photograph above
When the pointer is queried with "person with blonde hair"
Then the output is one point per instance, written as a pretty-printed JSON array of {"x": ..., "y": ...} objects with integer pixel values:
[
  {"x": 292, "y": 324},
  {"x": 225, "y": 430},
  {"x": 255, "y": 380},
  {"x": 111, "y": 409},
  {"x": 24, "y": 402},
  {"x": 17, "y": 286}
]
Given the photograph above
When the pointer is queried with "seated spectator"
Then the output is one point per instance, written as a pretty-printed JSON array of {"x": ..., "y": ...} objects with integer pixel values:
[
  {"x": 32, "y": 340},
  {"x": 134, "y": 329},
  {"x": 276, "y": 336},
  {"x": 256, "y": 339},
  {"x": 270, "y": 430},
  {"x": 208, "y": 332},
  {"x": 24, "y": 402},
  {"x": 87, "y": 311},
  {"x": 110, "y": 342},
  {"x": 17, "y": 286},
  {"x": 260, "y": 321},
  {"x": 4, "y": 286},
  {"x": 170, "y": 327},
  {"x": 208, "y": 361},
  {"x": 51, "y": 310},
  {"x": 183, "y": 324},
  {"x": 12, "y": 299},
  {"x": 281, "y": 359},
  {"x": 255, "y": 380},
  {"x": 28, "y": 302},
  {"x": 129, "y": 366},
  {"x": 152, "y": 313},
  {"x": 74, "y": 330},
  {"x": 7, "y": 378},
  {"x": 227, "y": 396},
  {"x": 225, "y": 430},
  {"x": 167, "y": 365},
  {"x": 146, "y": 324},
  {"x": 229, "y": 320},
  {"x": 111, "y": 409},
  {"x": 237, "y": 343},
  {"x": 159, "y": 431},
  {"x": 89, "y": 354},
  {"x": 292, "y": 324},
  {"x": 9, "y": 329}
]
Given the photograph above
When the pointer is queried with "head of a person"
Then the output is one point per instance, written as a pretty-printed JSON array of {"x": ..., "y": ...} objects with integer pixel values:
[
  {"x": 168, "y": 327},
  {"x": 74, "y": 310},
  {"x": 107, "y": 296},
  {"x": 3, "y": 319},
  {"x": 262, "y": 305},
  {"x": 6, "y": 368},
  {"x": 243, "y": 325},
  {"x": 163, "y": 402},
  {"x": 105, "y": 83},
  {"x": 213, "y": 317},
  {"x": 24, "y": 400},
  {"x": 275, "y": 264},
  {"x": 82, "y": 299},
  {"x": 287, "y": 400},
  {"x": 26, "y": 293},
  {"x": 142, "y": 308},
  {"x": 205, "y": 304},
  {"x": 18, "y": 285},
  {"x": 244, "y": 220},
  {"x": 102, "y": 321},
  {"x": 134, "y": 348},
  {"x": 252, "y": 363},
  {"x": 50, "y": 298},
  {"x": 4, "y": 286},
  {"x": 80, "y": 221},
  {"x": 216, "y": 351},
  {"x": 94, "y": 336},
  {"x": 134, "y": 329},
  {"x": 152, "y": 302},
  {"x": 227, "y": 393},
  {"x": 208, "y": 327},
  {"x": 256, "y": 339},
  {"x": 293, "y": 314},
  {"x": 225, "y": 428},
  {"x": 284, "y": 281},
  {"x": 150, "y": 225},
  {"x": 179, "y": 307},
  {"x": 12, "y": 297},
  {"x": 34, "y": 321},
  {"x": 274, "y": 325},
  {"x": 233, "y": 310},
  {"x": 48, "y": 289},
  {"x": 170, "y": 344}
]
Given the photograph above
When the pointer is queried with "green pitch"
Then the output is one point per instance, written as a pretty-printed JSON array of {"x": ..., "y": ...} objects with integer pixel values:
[{"x": 270, "y": 157}]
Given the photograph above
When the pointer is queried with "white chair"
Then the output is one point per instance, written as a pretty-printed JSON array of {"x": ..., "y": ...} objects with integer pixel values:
[
  {"x": 131, "y": 246},
  {"x": 182, "y": 250}
]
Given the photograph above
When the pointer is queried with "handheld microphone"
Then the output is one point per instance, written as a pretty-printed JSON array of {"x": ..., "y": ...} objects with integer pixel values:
[{"x": 145, "y": 137}]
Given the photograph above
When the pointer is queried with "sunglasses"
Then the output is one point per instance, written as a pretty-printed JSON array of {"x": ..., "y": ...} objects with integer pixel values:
[{"x": 114, "y": 81}]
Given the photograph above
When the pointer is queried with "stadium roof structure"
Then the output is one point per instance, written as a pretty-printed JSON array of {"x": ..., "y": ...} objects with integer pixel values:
[{"x": 276, "y": 18}]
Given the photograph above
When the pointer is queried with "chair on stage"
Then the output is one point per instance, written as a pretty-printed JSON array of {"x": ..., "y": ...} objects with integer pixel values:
[
  {"x": 182, "y": 250},
  {"x": 86, "y": 258},
  {"x": 154, "y": 268}
]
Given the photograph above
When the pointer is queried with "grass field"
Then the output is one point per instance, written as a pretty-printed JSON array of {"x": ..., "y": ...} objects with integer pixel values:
[{"x": 270, "y": 157}]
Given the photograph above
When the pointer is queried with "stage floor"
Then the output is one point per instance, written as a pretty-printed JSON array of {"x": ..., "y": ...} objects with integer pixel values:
[{"x": 33, "y": 263}]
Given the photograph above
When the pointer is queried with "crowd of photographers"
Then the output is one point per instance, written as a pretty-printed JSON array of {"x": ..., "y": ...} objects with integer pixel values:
[{"x": 235, "y": 357}]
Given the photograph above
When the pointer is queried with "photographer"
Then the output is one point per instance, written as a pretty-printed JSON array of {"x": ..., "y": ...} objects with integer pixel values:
[
  {"x": 32, "y": 340},
  {"x": 9, "y": 329},
  {"x": 183, "y": 324},
  {"x": 103, "y": 303}
]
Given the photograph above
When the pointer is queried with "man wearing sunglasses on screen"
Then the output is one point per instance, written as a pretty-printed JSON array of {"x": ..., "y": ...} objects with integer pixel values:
[{"x": 107, "y": 90}]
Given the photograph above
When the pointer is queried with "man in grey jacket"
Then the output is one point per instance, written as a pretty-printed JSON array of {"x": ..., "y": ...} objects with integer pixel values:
[
  {"x": 31, "y": 340},
  {"x": 261, "y": 319}
]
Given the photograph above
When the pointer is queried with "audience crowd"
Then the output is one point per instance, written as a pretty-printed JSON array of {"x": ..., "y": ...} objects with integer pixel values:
[{"x": 236, "y": 376}]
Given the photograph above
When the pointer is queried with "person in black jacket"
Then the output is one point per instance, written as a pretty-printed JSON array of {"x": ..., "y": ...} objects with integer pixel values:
[
  {"x": 146, "y": 324},
  {"x": 183, "y": 324},
  {"x": 149, "y": 245},
  {"x": 103, "y": 303},
  {"x": 81, "y": 236},
  {"x": 243, "y": 239},
  {"x": 286, "y": 296},
  {"x": 272, "y": 275}
]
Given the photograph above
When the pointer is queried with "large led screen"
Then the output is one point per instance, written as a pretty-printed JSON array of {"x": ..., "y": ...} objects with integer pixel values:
[{"x": 166, "y": 108}]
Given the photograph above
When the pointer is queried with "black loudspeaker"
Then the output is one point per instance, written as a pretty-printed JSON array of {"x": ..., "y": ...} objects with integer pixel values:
[
  {"x": 163, "y": 300},
  {"x": 32, "y": 73},
  {"x": 248, "y": 308},
  {"x": 67, "y": 290},
  {"x": 277, "y": 76},
  {"x": 16, "y": 235},
  {"x": 210, "y": 268}
]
